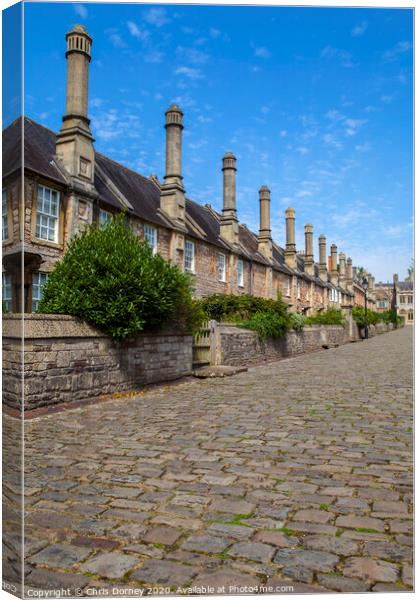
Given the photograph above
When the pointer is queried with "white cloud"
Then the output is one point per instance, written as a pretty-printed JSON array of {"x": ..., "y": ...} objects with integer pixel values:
[
  {"x": 97, "y": 102},
  {"x": 392, "y": 54},
  {"x": 214, "y": 33},
  {"x": 302, "y": 150},
  {"x": 283, "y": 133},
  {"x": 136, "y": 32},
  {"x": 81, "y": 10},
  {"x": 189, "y": 72},
  {"x": 344, "y": 56},
  {"x": 154, "y": 56},
  {"x": 192, "y": 55},
  {"x": 156, "y": 16},
  {"x": 360, "y": 29},
  {"x": 387, "y": 99},
  {"x": 115, "y": 38},
  {"x": 331, "y": 140},
  {"x": 262, "y": 52},
  {"x": 365, "y": 147}
]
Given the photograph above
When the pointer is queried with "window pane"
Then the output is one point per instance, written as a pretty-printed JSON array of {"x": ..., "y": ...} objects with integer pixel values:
[
  {"x": 47, "y": 214},
  {"x": 7, "y": 291}
]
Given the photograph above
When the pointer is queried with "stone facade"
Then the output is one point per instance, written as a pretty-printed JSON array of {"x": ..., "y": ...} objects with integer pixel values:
[{"x": 67, "y": 360}]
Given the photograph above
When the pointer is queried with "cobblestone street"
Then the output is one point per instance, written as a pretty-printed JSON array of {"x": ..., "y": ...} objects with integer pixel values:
[{"x": 296, "y": 473}]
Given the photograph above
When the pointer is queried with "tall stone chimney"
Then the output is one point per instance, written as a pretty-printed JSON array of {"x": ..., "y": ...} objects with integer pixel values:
[
  {"x": 74, "y": 145},
  {"x": 342, "y": 272},
  {"x": 265, "y": 244},
  {"x": 334, "y": 272},
  {"x": 290, "y": 251},
  {"x": 395, "y": 279},
  {"x": 172, "y": 197},
  {"x": 371, "y": 283},
  {"x": 354, "y": 272},
  {"x": 322, "y": 265},
  {"x": 309, "y": 250},
  {"x": 229, "y": 228},
  {"x": 349, "y": 274}
]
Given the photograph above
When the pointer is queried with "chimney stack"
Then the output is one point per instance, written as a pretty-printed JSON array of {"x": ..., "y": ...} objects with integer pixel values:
[
  {"x": 229, "y": 228},
  {"x": 322, "y": 266},
  {"x": 354, "y": 270},
  {"x": 342, "y": 272},
  {"x": 309, "y": 250},
  {"x": 395, "y": 279},
  {"x": 74, "y": 145},
  {"x": 334, "y": 272},
  {"x": 265, "y": 245},
  {"x": 172, "y": 197},
  {"x": 349, "y": 274},
  {"x": 290, "y": 251}
]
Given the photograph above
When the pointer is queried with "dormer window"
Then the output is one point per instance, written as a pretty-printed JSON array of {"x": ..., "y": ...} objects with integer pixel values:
[{"x": 47, "y": 214}]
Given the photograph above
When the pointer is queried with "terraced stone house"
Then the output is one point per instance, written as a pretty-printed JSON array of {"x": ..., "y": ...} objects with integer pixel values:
[{"x": 67, "y": 184}]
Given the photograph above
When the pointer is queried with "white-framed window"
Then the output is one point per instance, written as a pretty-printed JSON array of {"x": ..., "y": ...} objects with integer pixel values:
[
  {"x": 402, "y": 299},
  {"x": 150, "y": 235},
  {"x": 189, "y": 256},
  {"x": 240, "y": 271},
  {"x": 221, "y": 267},
  {"x": 287, "y": 292},
  {"x": 104, "y": 217},
  {"x": 38, "y": 282},
  {"x": 298, "y": 287},
  {"x": 4, "y": 216},
  {"x": 6, "y": 291},
  {"x": 381, "y": 303},
  {"x": 47, "y": 214}
]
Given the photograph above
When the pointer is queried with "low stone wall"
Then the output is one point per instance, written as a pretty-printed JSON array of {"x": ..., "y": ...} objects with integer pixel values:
[
  {"x": 67, "y": 360},
  {"x": 237, "y": 346},
  {"x": 374, "y": 330}
]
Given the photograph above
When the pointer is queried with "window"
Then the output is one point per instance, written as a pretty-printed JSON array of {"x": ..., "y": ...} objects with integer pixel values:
[
  {"x": 402, "y": 299},
  {"x": 221, "y": 267},
  {"x": 410, "y": 315},
  {"x": 382, "y": 303},
  {"x": 287, "y": 287},
  {"x": 4, "y": 216},
  {"x": 38, "y": 282},
  {"x": 189, "y": 256},
  {"x": 47, "y": 214},
  {"x": 150, "y": 235},
  {"x": 7, "y": 291},
  {"x": 104, "y": 217},
  {"x": 410, "y": 299},
  {"x": 298, "y": 290},
  {"x": 240, "y": 268}
]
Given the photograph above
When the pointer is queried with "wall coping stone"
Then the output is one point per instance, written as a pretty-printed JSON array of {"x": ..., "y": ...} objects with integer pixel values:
[{"x": 43, "y": 326}]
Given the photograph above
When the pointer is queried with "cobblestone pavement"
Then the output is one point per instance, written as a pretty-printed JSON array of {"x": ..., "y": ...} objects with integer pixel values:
[{"x": 297, "y": 473}]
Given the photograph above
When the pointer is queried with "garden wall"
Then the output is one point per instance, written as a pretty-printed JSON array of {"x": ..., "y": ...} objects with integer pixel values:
[
  {"x": 67, "y": 360},
  {"x": 236, "y": 346}
]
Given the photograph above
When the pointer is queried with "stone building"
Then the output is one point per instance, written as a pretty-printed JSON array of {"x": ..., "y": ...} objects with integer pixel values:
[
  {"x": 67, "y": 184},
  {"x": 404, "y": 293}
]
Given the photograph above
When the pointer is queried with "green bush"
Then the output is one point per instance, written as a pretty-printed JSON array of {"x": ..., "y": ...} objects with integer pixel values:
[
  {"x": 238, "y": 308},
  {"x": 111, "y": 279},
  {"x": 297, "y": 321},
  {"x": 270, "y": 318},
  {"x": 267, "y": 324},
  {"x": 332, "y": 316},
  {"x": 390, "y": 316},
  {"x": 372, "y": 318}
]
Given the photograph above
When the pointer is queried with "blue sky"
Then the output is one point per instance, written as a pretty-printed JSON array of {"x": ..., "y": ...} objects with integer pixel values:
[{"x": 316, "y": 103}]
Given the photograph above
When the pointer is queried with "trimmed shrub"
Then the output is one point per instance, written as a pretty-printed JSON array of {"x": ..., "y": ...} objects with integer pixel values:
[
  {"x": 297, "y": 321},
  {"x": 332, "y": 316},
  {"x": 268, "y": 324},
  {"x": 238, "y": 308},
  {"x": 112, "y": 280},
  {"x": 359, "y": 316}
]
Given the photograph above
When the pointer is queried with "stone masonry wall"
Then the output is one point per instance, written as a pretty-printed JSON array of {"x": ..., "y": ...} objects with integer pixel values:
[
  {"x": 236, "y": 346},
  {"x": 66, "y": 360},
  {"x": 241, "y": 346}
]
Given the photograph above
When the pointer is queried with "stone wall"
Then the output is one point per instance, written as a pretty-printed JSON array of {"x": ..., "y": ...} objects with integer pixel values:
[
  {"x": 238, "y": 346},
  {"x": 67, "y": 360}
]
